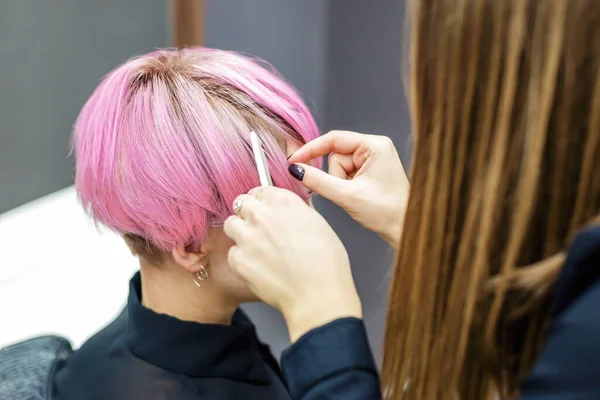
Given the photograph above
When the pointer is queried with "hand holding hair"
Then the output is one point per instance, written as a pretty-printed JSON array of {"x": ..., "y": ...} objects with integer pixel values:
[
  {"x": 291, "y": 259},
  {"x": 365, "y": 178}
]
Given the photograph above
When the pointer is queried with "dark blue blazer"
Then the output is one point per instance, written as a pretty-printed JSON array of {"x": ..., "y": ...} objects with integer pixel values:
[{"x": 335, "y": 362}]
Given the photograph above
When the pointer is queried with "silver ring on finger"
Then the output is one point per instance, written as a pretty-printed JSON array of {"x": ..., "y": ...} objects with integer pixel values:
[{"x": 237, "y": 206}]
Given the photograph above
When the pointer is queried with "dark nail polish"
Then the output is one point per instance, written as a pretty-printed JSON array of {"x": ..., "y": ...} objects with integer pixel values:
[{"x": 296, "y": 171}]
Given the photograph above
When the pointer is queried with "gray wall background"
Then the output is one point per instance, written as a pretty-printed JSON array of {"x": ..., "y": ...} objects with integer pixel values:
[
  {"x": 52, "y": 55},
  {"x": 344, "y": 56}
]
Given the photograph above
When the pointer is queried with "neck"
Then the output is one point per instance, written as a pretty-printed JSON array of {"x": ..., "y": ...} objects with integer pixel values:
[{"x": 168, "y": 291}]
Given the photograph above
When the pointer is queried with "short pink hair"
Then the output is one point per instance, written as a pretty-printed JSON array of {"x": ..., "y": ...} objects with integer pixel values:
[{"x": 162, "y": 146}]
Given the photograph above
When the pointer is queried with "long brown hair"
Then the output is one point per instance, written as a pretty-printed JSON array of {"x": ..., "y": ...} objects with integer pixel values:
[{"x": 505, "y": 99}]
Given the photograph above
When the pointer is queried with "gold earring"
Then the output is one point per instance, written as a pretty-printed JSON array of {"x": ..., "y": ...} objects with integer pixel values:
[{"x": 200, "y": 276}]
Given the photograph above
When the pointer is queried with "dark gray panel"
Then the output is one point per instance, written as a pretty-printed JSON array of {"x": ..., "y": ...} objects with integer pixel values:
[
  {"x": 53, "y": 54},
  {"x": 290, "y": 34},
  {"x": 364, "y": 93},
  {"x": 364, "y": 70}
]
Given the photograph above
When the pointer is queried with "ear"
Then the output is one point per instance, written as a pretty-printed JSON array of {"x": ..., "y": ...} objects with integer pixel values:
[
  {"x": 290, "y": 148},
  {"x": 190, "y": 261}
]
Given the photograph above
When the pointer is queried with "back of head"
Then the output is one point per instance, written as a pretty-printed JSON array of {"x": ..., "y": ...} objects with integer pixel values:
[
  {"x": 162, "y": 146},
  {"x": 505, "y": 96}
]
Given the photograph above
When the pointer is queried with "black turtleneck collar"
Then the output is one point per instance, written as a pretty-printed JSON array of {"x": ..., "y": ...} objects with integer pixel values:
[{"x": 194, "y": 349}]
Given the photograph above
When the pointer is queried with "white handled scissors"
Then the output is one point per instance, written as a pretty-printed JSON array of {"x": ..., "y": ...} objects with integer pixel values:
[{"x": 261, "y": 160}]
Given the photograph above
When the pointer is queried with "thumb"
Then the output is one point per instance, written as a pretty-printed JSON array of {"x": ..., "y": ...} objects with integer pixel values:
[{"x": 320, "y": 182}]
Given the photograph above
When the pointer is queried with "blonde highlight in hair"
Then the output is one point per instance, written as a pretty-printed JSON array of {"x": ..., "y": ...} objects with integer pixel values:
[{"x": 505, "y": 97}]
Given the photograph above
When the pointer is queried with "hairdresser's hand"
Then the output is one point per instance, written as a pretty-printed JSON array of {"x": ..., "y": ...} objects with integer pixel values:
[
  {"x": 292, "y": 259},
  {"x": 366, "y": 178}
]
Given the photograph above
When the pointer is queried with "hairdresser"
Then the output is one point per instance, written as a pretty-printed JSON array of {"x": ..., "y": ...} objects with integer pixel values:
[{"x": 496, "y": 289}]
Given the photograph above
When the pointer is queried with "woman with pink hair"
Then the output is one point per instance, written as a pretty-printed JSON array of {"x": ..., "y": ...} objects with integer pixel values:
[{"x": 162, "y": 149}]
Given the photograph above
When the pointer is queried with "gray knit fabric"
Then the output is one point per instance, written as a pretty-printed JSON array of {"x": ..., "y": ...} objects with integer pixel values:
[{"x": 27, "y": 368}]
